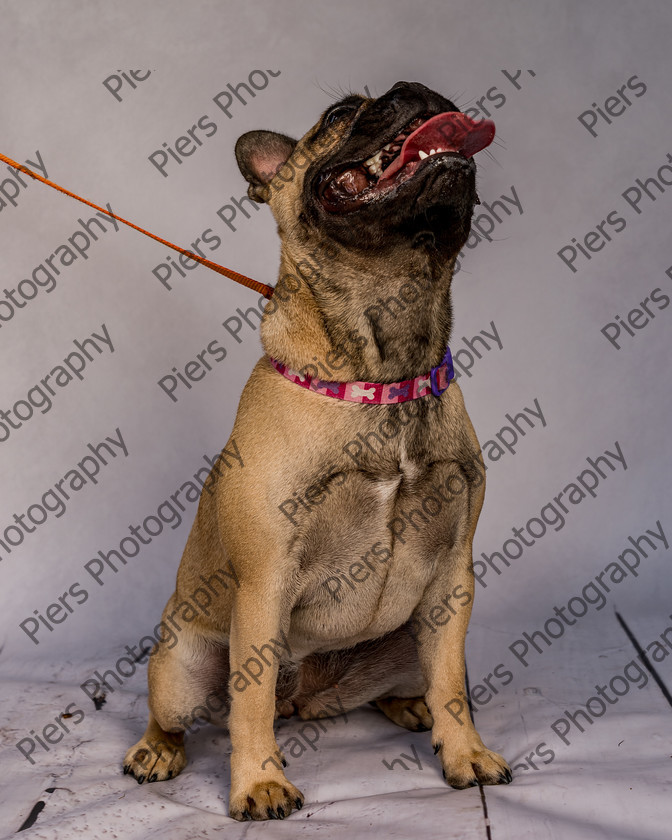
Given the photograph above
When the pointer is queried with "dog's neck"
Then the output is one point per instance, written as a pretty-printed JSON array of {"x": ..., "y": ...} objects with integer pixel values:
[{"x": 352, "y": 320}]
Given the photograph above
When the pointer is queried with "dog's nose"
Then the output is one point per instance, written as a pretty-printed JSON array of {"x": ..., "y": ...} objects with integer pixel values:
[{"x": 414, "y": 89}]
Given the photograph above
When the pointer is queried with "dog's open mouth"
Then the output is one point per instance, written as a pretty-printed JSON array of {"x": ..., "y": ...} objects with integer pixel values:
[{"x": 350, "y": 186}]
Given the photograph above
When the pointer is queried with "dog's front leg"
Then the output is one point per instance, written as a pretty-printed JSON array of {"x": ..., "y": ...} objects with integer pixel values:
[
  {"x": 465, "y": 759},
  {"x": 259, "y": 788}
]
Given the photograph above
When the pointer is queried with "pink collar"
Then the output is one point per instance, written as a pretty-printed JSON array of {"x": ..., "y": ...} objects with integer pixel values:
[{"x": 435, "y": 382}]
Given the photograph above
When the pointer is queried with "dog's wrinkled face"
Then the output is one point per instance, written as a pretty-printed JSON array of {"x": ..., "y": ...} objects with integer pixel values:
[{"x": 373, "y": 173}]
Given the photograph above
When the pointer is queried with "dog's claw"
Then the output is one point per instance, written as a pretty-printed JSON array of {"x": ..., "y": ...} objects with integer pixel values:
[
  {"x": 140, "y": 779},
  {"x": 437, "y": 747},
  {"x": 153, "y": 777},
  {"x": 126, "y": 769},
  {"x": 298, "y": 804}
]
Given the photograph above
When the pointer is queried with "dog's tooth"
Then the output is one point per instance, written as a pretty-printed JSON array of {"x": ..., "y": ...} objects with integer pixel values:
[
  {"x": 387, "y": 148},
  {"x": 374, "y": 160},
  {"x": 422, "y": 155}
]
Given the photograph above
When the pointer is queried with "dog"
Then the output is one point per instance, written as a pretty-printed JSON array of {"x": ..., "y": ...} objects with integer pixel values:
[{"x": 341, "y": 551}]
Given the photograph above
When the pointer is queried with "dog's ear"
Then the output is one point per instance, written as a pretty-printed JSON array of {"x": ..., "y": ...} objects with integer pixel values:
[{"x": 260, "y": 154}]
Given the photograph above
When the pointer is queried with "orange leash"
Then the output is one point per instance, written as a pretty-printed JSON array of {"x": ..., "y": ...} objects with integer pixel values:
[{"x": 261, "y": 288}]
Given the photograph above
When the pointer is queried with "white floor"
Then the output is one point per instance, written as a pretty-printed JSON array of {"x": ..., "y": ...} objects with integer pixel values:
[{"x": 611, "y": 782}]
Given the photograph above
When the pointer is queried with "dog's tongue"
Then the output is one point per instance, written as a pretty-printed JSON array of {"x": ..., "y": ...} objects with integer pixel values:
[{"x": 449, "y": 132}]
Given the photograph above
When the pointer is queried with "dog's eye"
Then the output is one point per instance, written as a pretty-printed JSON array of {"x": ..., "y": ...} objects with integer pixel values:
[{"x": 339, "y": 113}]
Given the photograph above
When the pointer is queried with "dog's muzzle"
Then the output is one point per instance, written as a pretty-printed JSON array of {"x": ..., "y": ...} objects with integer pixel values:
[{"x": 450, "y": 134}]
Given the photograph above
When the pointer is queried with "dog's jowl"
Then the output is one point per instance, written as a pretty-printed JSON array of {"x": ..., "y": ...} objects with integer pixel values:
[{"x": 373, "y": 203}]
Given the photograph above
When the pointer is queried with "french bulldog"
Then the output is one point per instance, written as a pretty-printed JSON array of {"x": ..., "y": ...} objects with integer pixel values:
[{"x": 341, "y": 553}]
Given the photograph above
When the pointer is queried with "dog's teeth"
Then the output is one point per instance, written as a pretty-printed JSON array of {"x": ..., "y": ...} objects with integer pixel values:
[
  {"x": 422, "y": 155},
  {"x": 374, "y": 166},
  {"x": 387, "y": 148}
]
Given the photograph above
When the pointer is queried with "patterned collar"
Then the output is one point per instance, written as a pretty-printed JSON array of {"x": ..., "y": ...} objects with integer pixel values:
[{"x": 374, "y": 393}]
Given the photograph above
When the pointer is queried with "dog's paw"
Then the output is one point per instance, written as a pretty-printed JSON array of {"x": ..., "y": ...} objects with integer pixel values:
[
  {"x": 266, "y": 801},
  {"x": 151, "y": 761},
  {"x": 477, "y": 766},
  {"x": 284, "y": 708},
  {"x": 410, "y": 712}
]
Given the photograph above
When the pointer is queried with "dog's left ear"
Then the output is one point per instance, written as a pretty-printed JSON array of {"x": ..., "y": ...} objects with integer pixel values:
[{"x": 260, "y": 154}]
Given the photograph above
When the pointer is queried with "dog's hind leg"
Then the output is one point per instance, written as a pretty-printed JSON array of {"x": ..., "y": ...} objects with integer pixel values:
[
  {"x": 187, "y": 683},
  {"x": 385, "y": 671}
]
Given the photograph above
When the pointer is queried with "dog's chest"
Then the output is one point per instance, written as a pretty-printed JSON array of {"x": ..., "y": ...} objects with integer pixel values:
[{"x": 369, "y": 552}]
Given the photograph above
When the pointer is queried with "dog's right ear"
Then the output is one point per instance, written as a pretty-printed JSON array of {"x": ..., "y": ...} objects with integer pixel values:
[{"x": 260, "y": 154}]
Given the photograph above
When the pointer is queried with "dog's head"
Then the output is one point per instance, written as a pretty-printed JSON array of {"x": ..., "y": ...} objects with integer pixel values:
[
  {"x": 373, "y": 205},
  {"x": 373, "y": 174}
]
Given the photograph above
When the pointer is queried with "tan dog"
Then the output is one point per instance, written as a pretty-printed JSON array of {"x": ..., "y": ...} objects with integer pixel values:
[{"x": 340, "y": 553}]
